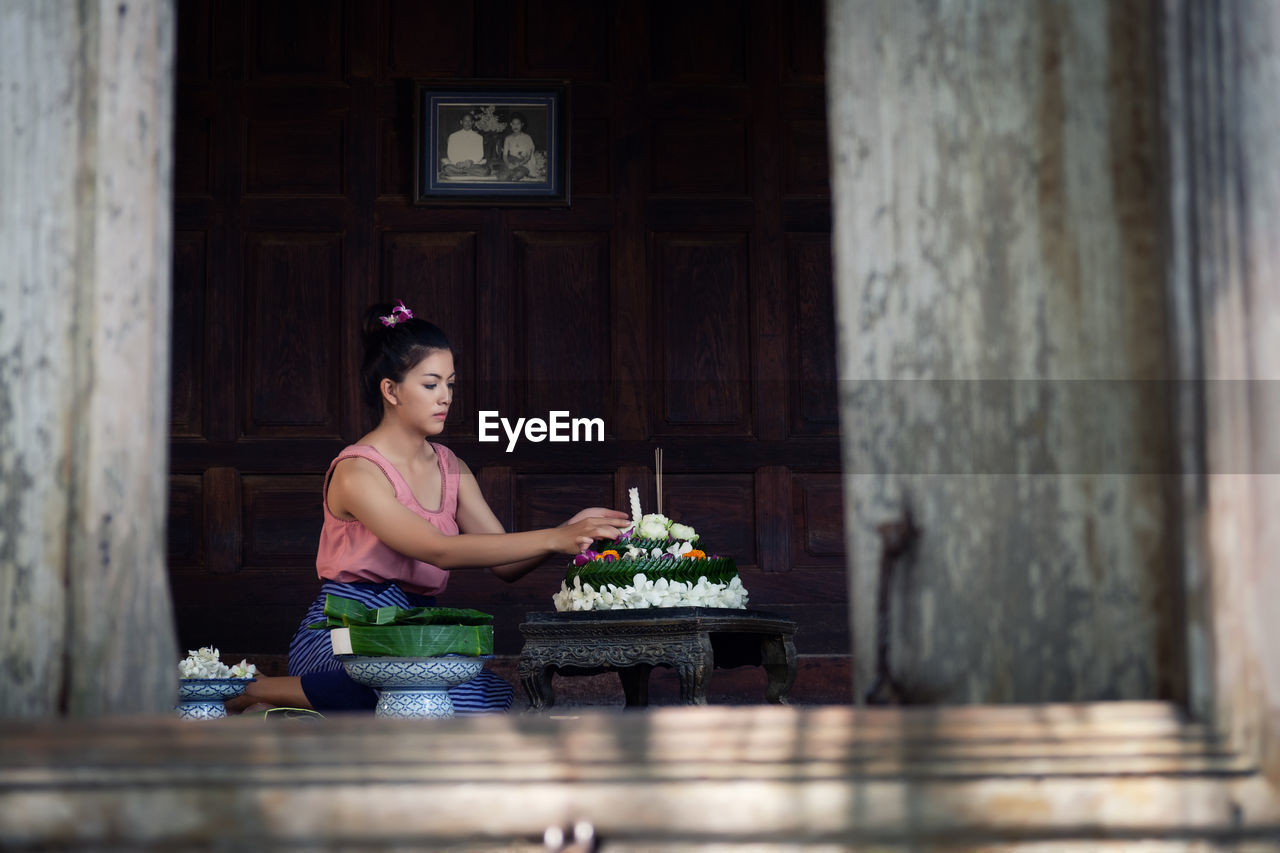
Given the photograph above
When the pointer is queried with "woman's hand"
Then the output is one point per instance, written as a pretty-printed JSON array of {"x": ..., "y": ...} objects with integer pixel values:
[
  {"x": 574, "y": 537},
  {"x": 600, "y": 512}
]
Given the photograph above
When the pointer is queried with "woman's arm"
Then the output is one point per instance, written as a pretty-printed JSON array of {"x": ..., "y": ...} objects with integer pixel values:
[
  {"x": 359, "y": 489},
  {"x": 475, "y": 516}
]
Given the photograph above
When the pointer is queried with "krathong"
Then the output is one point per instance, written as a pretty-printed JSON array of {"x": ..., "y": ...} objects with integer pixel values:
[{"x": 653, "y": 563}]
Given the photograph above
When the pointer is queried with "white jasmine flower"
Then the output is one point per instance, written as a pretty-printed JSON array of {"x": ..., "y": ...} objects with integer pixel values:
[
  {"x": 644, "y": 593},
  {"x": 244, "y": 669},
  {"x": 206, "y": 662}
]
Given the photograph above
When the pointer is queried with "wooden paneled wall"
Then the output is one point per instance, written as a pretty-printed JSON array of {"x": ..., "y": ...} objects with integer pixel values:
[{"x": 684, "y": 296}]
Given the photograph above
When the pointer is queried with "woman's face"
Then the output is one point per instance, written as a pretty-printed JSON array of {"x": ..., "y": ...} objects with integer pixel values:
[
  {"x": 424, "y": 396},
  {"x": 516, "y": 125}
]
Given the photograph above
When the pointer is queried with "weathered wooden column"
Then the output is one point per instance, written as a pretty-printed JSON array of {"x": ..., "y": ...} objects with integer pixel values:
[
  {"x": 1222, "y": 63},
  {"x": 86, "y": 624},
  {"x": 1003, "y": 347}
]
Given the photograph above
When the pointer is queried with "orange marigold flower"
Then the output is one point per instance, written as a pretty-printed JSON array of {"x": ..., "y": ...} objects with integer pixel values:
[
  {"x": 609, "y": 555},
  {"x": 695, "y": 554}
]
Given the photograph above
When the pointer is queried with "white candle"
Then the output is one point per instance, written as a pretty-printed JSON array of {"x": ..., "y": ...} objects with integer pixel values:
[{"x": 635, "y": 504}]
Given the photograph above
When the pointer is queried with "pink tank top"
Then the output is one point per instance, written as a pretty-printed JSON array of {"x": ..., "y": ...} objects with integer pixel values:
[{"x": 350, "y": 553}]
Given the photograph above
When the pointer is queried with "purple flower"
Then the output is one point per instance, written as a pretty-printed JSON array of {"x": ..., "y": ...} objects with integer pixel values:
[
  {"x": 667, "y": 557},
  {"x": 584, "y": 558}
]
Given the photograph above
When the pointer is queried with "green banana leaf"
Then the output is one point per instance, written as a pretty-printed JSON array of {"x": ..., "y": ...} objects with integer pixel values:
[
  {"x": 622, "y": 573},
  {"x": 421, "y": 641},
  {"x": 345, "y": 613},
  {"x": 414, "y": 632}
]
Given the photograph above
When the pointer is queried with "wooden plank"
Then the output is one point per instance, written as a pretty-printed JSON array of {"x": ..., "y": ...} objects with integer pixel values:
[{"x": 684, "y": 777}]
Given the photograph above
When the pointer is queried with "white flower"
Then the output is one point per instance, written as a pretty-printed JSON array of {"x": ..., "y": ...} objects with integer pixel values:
[
  {"x": 683, "y": 531},
  {"x": 644, "y": 593},
  {"x": 206, "y": 662},
  {"x": 679, "y": 549},
  {"x": 244, "y": 669},
  {"x": 653, "y": 526}
]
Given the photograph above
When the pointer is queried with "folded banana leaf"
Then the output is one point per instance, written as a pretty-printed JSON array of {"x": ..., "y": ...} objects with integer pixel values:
[
  {"x": 343, "y": 613},
  {"x": 413, "y": 641},
  {"x": 400, "y": 632}
]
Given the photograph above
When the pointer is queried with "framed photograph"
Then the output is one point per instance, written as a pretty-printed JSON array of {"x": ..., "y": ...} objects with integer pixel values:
[{"x": 492, "y": 142}]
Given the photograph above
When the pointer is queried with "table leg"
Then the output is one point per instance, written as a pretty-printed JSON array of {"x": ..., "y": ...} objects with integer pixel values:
[
  {"x": 536, "y": 679},
  {"x": 635, "y": 684},
  {"x": 694, "y": 669},
  {"x": 778, "y": 657}
]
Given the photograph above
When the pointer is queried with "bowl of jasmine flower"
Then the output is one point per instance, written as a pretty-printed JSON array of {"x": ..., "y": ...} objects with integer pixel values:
[{"x": 205, "y": 683}]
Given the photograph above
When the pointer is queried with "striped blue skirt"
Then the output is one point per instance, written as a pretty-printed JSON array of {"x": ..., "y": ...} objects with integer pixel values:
[{"x": 326, "y": 683}]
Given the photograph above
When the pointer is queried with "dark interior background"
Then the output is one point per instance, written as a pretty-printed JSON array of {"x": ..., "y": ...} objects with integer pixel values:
[{"x": 684, "y": 296}]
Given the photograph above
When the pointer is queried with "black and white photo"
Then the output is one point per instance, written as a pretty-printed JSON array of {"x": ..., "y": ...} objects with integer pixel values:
[{"x": 500, "y": 143}]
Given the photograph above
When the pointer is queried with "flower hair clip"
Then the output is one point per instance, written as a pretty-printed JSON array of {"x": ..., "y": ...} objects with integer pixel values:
[{"x": 398, "y": 315}]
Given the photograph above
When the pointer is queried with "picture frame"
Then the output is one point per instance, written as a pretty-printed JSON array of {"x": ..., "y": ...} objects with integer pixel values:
[{"x": 491, "y": 142}]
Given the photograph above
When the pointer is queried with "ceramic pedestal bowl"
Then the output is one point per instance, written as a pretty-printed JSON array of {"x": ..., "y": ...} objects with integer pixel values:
[
  {"x": 202, "y": 698},
  {"x": 412, "y": 687}
]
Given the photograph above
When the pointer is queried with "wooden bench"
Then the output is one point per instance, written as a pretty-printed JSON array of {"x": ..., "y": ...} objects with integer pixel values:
[{"x": 691, "y": 640}]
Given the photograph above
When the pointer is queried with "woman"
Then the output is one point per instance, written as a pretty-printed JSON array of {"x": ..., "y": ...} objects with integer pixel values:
[{"x": 400, "y": 512}]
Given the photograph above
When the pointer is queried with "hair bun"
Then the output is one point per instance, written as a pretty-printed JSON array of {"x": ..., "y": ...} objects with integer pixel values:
[
  {"x": 371, "y": 327},
  {"x": 391, "y": 348}
]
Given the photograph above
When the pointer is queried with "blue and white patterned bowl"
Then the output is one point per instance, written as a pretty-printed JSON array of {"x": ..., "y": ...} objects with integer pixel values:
[
  {"x": 202, "y": 698},
  {"x": 412, "y": 687}
]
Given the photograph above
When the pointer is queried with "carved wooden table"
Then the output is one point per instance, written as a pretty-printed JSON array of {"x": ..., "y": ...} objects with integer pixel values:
[{"x": 691, "y": 640}]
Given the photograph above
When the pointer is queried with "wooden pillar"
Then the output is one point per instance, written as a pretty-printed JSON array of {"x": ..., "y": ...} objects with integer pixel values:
[
  {"x": 86, "y": 624},
  {"x": 998, "y": 200},
  {"x": 1222, "y": 67}
]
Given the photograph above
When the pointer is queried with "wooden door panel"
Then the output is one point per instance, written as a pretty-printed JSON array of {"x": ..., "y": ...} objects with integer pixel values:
[
  {"x": 282, "y": 520},
  {"x": 702, "y": 42},
  {"x": 295, "y": 40},
  {"x": 294, "y": 156},
  {"x": 563, "y": 339},
  {"x": 190, "y": 268},
  {"x": 814, "y": 403},
  {"x": 429, "y": 38},
  {"x": 589, "y": 140},
  {"x": 563, "y": 38},
  {"x": 185, "y": 522},
  {"x": 293, "y": 284},
  {"x": 702, "y": 327},
  {"x": 818, "y": 516},
  {"x": 699, "y": 156}
]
